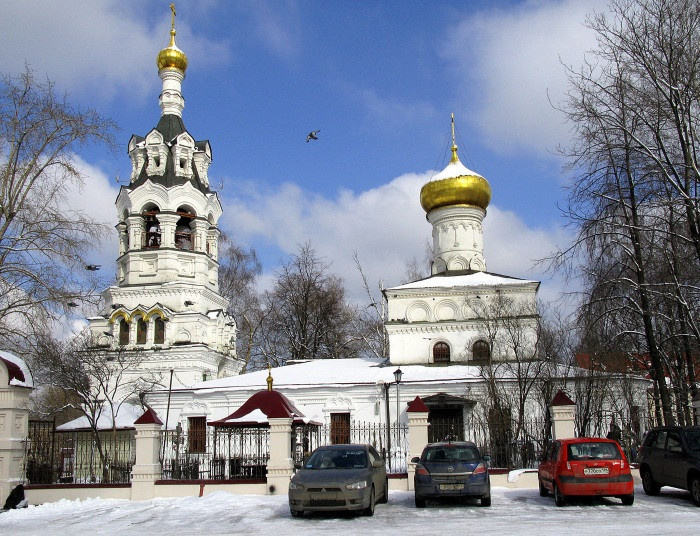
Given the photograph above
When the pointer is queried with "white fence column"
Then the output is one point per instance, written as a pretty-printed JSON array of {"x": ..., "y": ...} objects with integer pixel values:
[
  {"x": 14, "y": 421},
  {"x": 280, "y": 466},
  {"x": 147, "y": 468},
  {"x": 562, "y": 411},
  {"x": 418, "y": 424}
]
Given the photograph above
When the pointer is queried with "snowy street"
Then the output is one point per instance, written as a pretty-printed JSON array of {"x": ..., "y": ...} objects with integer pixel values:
[{"x": 514, "y": 511}]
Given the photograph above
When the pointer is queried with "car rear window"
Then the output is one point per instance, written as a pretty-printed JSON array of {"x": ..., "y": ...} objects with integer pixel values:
[
  {"x": 593, "y": 451},
  {"x": 451, "y": 454},
  {"x": 692, "y": 437}
]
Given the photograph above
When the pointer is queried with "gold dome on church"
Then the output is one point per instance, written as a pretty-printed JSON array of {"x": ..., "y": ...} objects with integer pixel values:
[
  {"x": 172, "y": 57},
  {"x": 455, "y": 185}
]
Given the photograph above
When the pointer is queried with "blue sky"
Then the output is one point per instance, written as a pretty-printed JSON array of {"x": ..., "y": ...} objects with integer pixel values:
[{"x": 379, "y": 79}]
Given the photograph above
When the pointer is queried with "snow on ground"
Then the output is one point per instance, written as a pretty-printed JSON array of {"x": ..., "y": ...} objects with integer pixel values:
[{"x": 514, "y": 511}]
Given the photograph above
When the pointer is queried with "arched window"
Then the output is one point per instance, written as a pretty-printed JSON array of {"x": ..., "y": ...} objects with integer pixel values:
[
  {"x": 141, "y": 330},
  {"x": 441, "y": 353},
  {"x": 123, "y": 332},
  {"x": 152, "y": 235},
  {"x": 158, "y": 331},
  {"x": 183, "y": 229},
  {"x": 481, "y": 352}
]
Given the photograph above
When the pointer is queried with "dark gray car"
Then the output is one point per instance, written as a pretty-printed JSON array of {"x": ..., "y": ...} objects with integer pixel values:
[
  {"x": 670, "y": 456},
  {"x": 339, "y": 477}
]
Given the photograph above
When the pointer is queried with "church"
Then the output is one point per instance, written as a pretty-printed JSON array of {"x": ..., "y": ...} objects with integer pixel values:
[{"x": 462, "y": 339}]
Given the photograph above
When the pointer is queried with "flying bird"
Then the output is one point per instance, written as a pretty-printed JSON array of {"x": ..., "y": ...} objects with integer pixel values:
[
  {"x": 312, "y": 135},
  {"x": 92, "y": 267}
]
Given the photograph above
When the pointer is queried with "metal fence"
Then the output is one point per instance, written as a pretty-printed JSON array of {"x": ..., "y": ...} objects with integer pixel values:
[
  {"x": 510, "y": 445},
  {"x": 215, "y": 454},
  {"x": 77, "y": 457},
  {"x": 391, "y": 442}
]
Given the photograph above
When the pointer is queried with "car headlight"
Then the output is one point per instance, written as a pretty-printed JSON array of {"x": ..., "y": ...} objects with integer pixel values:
[
  {"x": 362, "y": 484},
  {"x": 292, "y": 485}
]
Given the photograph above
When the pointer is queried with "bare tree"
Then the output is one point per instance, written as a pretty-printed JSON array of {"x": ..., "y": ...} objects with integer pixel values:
[
  {"x": 43, "y": 241},
  {"x": 239, "y": 270},
  {"x": 308, "y": 314},
  {"x": 95, "y": 380},
  {"x": 633, "y": 201}
]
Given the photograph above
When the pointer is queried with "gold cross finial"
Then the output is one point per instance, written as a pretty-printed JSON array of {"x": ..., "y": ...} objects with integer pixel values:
[
  {"x": 269, "y": 377},
  {"x": 454, "y": 158},
  {"x": 172, "y": 8}
]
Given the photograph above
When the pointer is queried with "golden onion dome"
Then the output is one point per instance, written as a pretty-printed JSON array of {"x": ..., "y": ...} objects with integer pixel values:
[
  {"x": 455, "y": 185},
  {"x": 172, "y": 57}
]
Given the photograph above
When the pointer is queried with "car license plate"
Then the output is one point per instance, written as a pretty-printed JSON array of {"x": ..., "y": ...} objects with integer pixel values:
[
  {"x": 451, "y": 487},
  {"x": 596, "y": 470}
]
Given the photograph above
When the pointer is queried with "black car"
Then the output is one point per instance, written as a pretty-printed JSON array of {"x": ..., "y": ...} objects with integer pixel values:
[
  {"x": 452, "y": 470},
  {"x": 670, "y": 456}
]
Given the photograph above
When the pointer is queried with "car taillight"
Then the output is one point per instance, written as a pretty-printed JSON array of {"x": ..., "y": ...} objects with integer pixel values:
[
  {"x": 420, "y": 470},
  {"x": 481, "y": 468}
]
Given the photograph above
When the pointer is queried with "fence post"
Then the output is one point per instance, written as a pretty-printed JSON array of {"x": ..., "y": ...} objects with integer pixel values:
[
  {"x": 280, "y": 466},
  {"x": 147, "y": 468},
  {"x": 417, "y": 413},
  {"x": 696, "y": 408},
  {"x": 14, "y": 422},
  {"x": 562, "y": 410}
]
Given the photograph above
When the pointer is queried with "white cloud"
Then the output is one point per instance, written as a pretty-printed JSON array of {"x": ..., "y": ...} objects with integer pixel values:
[
  {"x": 105, "y": 47},
  {"x": 96, "y": 198},
  {"x": 385, "y": 225},
  {"x": 509, "y": 62}
]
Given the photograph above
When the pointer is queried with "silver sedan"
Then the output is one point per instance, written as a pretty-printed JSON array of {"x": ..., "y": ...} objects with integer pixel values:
[{"x": 339, "y": 477}]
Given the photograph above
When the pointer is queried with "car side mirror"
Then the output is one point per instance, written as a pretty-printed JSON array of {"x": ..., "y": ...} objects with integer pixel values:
[
  {"x": 487, "y": 458},
  {"x": 378, "y": 463},
  {"x": 415, "y": 459}
]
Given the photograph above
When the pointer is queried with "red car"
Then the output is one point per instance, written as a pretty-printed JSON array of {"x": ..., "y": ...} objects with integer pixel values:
[{"x": 591, "y": 467}]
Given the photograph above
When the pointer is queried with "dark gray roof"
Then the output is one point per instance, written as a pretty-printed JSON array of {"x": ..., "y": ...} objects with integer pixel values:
[{"x": 171, "y": 126}]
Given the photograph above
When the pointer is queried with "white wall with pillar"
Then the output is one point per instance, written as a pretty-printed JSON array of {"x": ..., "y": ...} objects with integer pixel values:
[
  {"x": 562, "y": 411},
  {"x": 417, "y": 413},
  {"x": 147, "y": 468},
  {"x": 280, "y": 466},
  {"x": 15, "y": 385}
]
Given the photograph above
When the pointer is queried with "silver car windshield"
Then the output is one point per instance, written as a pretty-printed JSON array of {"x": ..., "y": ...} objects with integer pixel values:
[{"x": 337, "y": 459}]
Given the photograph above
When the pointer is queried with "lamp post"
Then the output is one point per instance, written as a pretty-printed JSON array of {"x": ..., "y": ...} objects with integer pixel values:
[{"x": 397, "y": 378}]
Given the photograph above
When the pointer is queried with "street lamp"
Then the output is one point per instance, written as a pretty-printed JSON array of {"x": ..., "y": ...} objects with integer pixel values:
[{"x": 397, "y": 378}]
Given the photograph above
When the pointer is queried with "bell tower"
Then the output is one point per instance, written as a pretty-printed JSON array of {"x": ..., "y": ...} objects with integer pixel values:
[{"x": 166, "y": 302}]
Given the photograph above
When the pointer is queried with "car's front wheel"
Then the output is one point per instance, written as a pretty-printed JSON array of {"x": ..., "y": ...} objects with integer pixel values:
[
  {"x": 559, "y": 498},
  {"x": 296, "y": 513},
  {"x": 369, "y": 511},
  {"x": 543, "y": 491},
  {"x": 385, "y": 497},
  {"x": 648, "y": 483},
  {"x": 420, "y": 502},
  {"x": 695, "y": 489}
]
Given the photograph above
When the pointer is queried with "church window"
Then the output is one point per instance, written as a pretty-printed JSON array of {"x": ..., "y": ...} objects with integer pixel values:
[
  {"x": 158, "y": 331},
  {"x": 481, "y": 353},
  {"x": 441, "y": 353},
  {"x": 197, "y": 434},
  {"x": 123, "y": 332},
  {"x": 141, "y": 330}
]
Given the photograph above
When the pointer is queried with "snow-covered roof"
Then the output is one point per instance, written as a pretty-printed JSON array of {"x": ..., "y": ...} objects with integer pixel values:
[
  {"x": 340, "y": 372},
  {"x": 454, "y": 169},
  {"x": 127, "y": 414},
  {"x": 20, "y": 374},
  {"x": 472, "y": 279}
]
